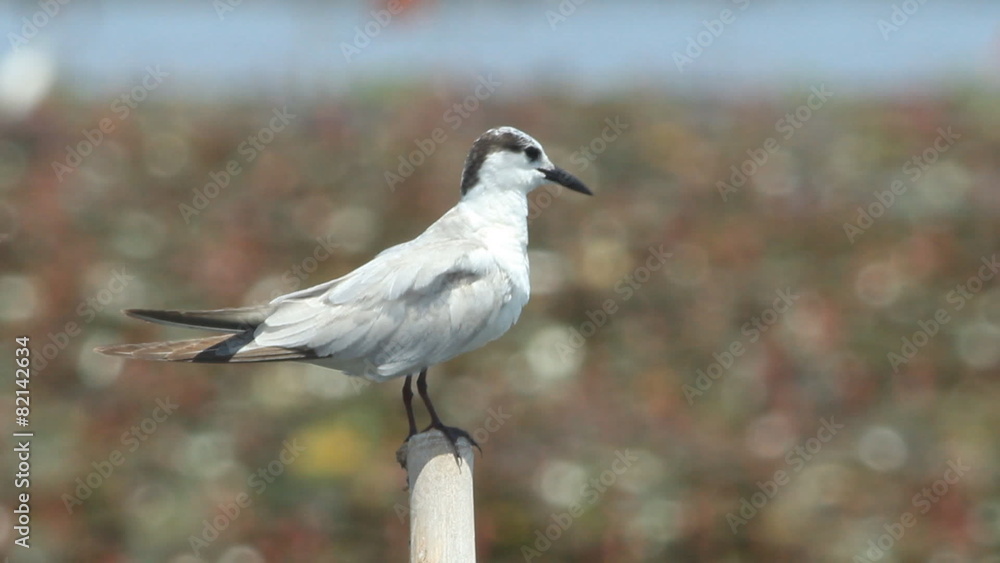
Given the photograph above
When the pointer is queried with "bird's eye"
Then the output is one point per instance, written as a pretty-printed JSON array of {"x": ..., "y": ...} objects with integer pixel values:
[{"x": 533, "y": 153}]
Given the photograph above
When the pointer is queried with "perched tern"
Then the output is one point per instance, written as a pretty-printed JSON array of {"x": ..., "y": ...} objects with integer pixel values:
[{"x": 460, "y": 284}]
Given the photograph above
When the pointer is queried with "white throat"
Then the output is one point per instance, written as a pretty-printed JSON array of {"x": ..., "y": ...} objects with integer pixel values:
[{"x": 500, "y": 212}]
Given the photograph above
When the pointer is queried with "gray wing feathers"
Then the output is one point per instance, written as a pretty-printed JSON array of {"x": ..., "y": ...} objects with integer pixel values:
[
  {"x": 224, "y": 320},
  {"x": 391, "y": 312},
  {"x": 214, "y": 349}
]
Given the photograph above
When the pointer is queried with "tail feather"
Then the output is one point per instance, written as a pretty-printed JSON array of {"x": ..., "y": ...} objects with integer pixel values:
[
  {"x": 225, "y": 320},
  {"x": 214, "y": 349}
]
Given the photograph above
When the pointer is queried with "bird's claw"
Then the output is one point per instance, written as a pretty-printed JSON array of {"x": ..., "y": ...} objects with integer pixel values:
[{"x": 452, "y": 434}]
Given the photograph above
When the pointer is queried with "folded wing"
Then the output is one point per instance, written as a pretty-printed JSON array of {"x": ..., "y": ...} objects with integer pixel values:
[{"x": 405, "y": 309}]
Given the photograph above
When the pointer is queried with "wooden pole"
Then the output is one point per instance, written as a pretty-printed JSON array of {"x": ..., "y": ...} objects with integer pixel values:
[{"x": 442, "y": 513}]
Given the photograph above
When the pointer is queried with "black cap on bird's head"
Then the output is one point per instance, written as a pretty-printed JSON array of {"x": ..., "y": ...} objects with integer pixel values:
[{"x": 507, "y": 156}]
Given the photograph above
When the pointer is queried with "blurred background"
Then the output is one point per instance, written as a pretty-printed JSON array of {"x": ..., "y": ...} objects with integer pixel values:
[{"x": 772, "y": 335}]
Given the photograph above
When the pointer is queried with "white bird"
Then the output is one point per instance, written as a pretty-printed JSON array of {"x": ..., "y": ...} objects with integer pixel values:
[{"x": 460, "y": 284}]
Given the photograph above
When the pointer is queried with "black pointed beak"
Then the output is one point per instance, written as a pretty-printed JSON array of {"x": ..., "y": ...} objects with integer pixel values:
[{"x": 559, "y": 176}]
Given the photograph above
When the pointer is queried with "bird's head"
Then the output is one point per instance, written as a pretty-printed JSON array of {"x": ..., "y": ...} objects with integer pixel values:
[{"x": 506, "y": 158}]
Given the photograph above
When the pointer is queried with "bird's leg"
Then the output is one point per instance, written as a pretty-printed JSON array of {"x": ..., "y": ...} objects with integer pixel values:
[
  {"x": 408, "y": 403},
  {"x": 450, "y": 432}
]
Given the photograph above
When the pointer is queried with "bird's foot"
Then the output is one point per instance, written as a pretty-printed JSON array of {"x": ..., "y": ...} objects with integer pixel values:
[
  {"x": 450, "y": 433},
  {"x": 453, "y": 434}
]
